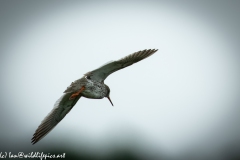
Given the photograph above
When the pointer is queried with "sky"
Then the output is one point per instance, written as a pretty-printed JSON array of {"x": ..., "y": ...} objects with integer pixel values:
[{"x": 181, "y": 102}]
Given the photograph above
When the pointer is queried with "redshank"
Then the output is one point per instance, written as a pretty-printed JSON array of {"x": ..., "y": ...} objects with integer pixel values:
[{"x": 91, "y": 85}]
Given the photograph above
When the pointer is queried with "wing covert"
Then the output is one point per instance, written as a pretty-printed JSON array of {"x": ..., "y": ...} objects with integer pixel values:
[{"x": 101, "y": 73}]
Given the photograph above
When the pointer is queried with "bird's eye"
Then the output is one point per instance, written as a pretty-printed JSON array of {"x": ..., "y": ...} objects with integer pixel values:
[{"x": 87, "y": 77}]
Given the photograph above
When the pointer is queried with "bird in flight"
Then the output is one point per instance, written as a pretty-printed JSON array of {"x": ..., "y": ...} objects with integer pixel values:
[{"x": 91, "y": 85}]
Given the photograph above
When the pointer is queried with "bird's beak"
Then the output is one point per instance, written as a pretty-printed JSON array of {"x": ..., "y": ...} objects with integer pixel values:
[{"x": 110, "y": 100}]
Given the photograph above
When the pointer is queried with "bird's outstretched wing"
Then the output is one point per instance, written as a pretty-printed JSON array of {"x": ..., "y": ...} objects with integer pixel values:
[
  {"x": 61, "y": 108},
  {"x": 101, "y": 73}
]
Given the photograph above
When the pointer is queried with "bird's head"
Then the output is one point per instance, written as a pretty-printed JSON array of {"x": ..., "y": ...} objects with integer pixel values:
[{"x": 108, "y": 94}]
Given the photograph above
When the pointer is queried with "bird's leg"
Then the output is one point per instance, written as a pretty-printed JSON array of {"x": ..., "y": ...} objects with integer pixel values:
[{"x": 74, "y": 95}]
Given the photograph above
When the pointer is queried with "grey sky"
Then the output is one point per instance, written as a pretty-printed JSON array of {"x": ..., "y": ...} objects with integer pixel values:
[{"x": 186, "y": 96}]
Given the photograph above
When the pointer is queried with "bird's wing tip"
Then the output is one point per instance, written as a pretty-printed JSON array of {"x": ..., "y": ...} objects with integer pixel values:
[
  {"x": 33, "y": 142},
  {"x": 154, "y": 50}
]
